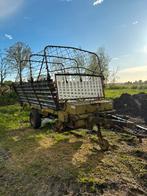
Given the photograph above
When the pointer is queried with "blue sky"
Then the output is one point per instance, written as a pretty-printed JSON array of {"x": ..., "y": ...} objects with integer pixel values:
[{"x": 118, "y": 25}]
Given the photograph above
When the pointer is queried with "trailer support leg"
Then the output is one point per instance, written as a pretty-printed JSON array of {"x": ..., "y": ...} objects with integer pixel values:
[{"x": 103, "y": 143}]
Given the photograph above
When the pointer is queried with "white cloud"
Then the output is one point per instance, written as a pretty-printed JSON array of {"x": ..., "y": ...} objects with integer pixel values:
[
  {"x": 135, "y": 22},
  {"x": 133, "y": 73},
  {"x": 8, "y": 36},
  {"x": 97, "y": 2},
  {"x": 134, "y": 69},
  {"x": 9, "y": 7}
]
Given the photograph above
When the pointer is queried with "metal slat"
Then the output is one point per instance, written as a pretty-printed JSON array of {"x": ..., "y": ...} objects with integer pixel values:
[
  {"x": 39, "y": 97},
  {"x": 39, "y": 93},
  {"x": 37, "y": 103},
  {"x": 37, "y": 89},
  {"x": 41, "y": 100}
]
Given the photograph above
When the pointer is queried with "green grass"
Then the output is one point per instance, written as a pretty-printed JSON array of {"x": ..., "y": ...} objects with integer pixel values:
[
  {"x": 34, "y": 161},
  {"x": 113, "y": 93}
]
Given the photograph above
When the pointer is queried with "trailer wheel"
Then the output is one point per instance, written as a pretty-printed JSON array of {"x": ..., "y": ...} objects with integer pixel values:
[{"x": 35, "y": 119}]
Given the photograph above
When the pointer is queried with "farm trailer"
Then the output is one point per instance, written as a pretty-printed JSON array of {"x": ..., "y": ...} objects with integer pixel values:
[{"x": 60, "y": 85}]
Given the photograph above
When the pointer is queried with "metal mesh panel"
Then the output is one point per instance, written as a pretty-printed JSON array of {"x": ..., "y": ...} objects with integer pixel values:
[
  {"x": 25, "y": 73},
  {"x": 59, "y": 59},
  {"x": 73, "y": 87},
  {"x": 77, "y": 59},
  {"x": 38, "y": 68}
]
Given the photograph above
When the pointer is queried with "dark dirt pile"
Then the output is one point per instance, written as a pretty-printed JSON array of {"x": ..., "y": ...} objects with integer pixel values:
[{"x": 134, "y": 105}]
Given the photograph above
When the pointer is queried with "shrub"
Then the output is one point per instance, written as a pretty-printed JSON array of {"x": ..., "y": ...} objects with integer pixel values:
[{"x": 8, "y": 98}]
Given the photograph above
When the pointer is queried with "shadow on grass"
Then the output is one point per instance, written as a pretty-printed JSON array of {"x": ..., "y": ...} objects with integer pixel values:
[
  {"x": 36, "y": 168},
  {"x": 54, "y": 166},
  {"x": 129, "y": 139},
  {"x": 140, "y": 154},
  {"x": 33, "y": 160}
]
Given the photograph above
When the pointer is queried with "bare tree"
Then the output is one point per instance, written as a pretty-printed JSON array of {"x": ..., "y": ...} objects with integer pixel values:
[
  {"x": 113, "y": 77},
  {"x": 15, "y": 54},
  {"x": 103, "y": 61},
  {"x": 3, "y": 70}
]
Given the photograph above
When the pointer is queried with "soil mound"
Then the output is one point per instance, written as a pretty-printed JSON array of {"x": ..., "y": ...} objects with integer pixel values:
[{"x": 134, "y": 105}]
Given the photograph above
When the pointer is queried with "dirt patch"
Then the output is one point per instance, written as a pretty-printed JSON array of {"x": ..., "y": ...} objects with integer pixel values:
[{"x": 133, "y": 105}]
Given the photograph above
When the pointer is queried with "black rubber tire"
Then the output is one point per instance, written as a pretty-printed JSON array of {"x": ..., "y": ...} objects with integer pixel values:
[{"x": 35, "y": 119}]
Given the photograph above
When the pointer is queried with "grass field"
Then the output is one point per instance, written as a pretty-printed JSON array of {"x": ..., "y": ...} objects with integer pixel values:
[
  {"x": 43, "y": 162},
  {"x": 113, "y": 93}
]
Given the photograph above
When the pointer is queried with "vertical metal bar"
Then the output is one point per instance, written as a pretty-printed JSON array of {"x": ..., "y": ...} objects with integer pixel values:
[
  {"x": 50, "y": 82},
  {"x": 47, "y": 69},
  {"x": 30, "y": 65},
  {"x": 40, "y": 68}
]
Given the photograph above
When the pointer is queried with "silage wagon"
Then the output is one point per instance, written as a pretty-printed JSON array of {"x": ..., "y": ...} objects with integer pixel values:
[
  {"x": 59, "y": 84},
  {"x": 66, "y": 85}
]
